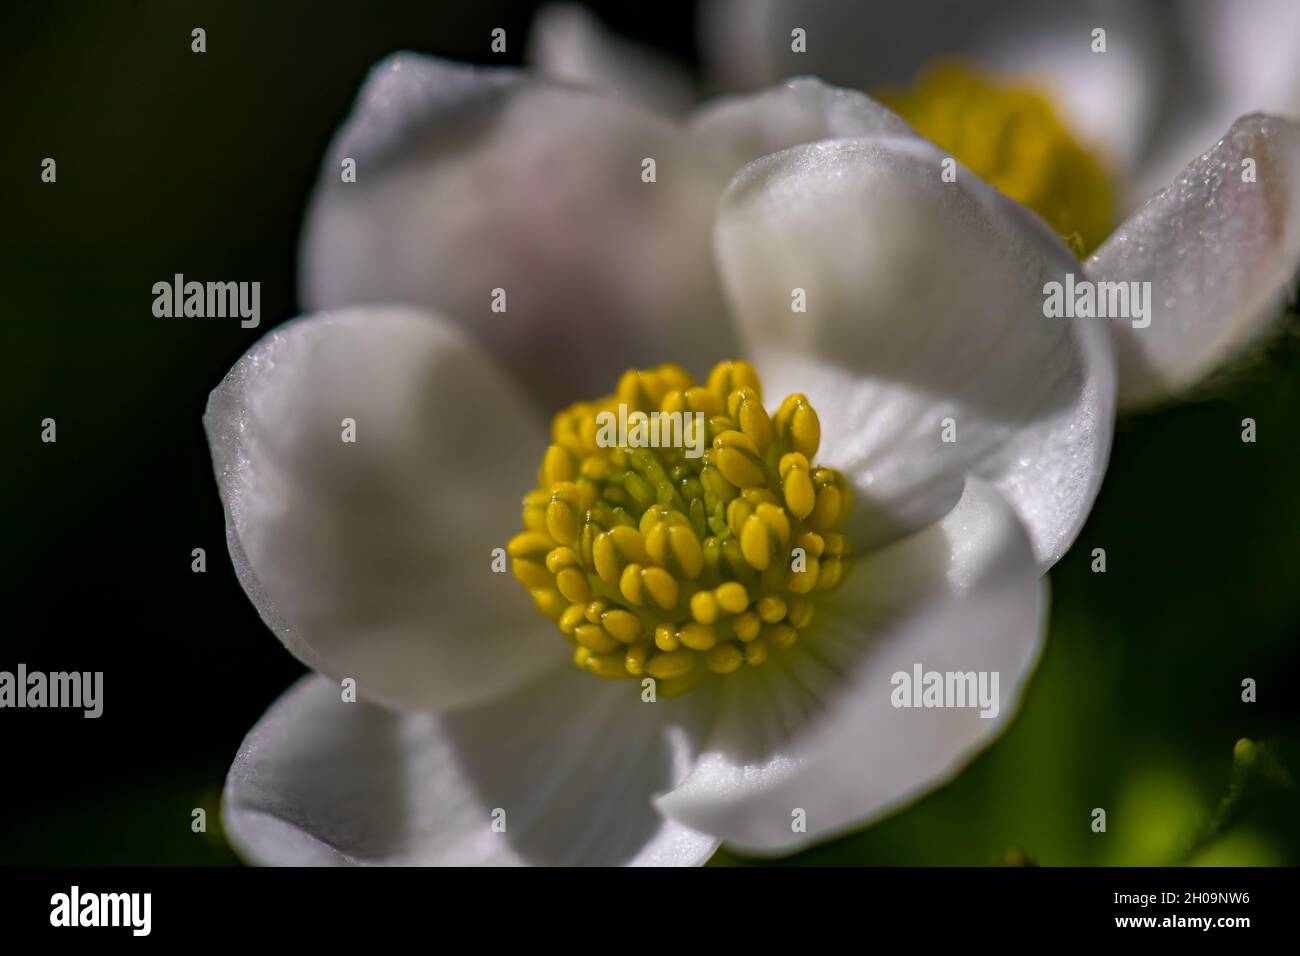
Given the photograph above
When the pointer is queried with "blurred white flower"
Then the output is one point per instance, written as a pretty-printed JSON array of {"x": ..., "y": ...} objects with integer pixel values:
[
  {"x": 370, "y": 560},
  {"x": 1174, "y": 74}
]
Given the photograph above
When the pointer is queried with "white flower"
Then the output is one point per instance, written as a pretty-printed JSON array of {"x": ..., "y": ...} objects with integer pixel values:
[{"x": 371, "y": 559}]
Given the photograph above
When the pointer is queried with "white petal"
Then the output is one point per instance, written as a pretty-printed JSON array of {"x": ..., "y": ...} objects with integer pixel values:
[
  {"x": 469, "y": 181},
  {"x": 802, "y": 110},
  {"x": 568, "y": 43},
  {"x": 1107, "y": 99},
  {"x": 1246, "y": 53},
  {"x": 571, "y": 760},
  {"x": 822, "y": 735},
  {"x": 1221, "y": 255},
  {"x": 738, "y": 45},
  {"x": 1235, "y": 58},
  {"x": 372, "y": 559},
  {"x": 924, "y": 303}
]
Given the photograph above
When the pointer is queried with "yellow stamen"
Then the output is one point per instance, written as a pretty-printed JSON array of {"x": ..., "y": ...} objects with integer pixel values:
[
  {"x": 746, "y": 625},
  {"x": 652, "y": 562},
  {"x": 797, "y": 485}
]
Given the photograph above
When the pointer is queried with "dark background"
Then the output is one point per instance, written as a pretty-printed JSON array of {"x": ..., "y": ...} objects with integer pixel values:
[{"x": 170, "y": 161}]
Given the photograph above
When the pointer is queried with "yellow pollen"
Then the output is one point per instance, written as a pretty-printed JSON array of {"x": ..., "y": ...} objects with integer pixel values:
[
  {"x": 684, "y": 559},
  {"x": 1012, "y": 137}
]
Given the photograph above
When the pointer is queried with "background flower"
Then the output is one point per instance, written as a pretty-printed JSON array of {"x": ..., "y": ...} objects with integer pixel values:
[{"x": 1174, "y": 75}]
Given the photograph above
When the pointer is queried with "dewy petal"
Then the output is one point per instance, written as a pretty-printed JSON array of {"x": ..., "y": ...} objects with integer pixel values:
[
  {"x": 372, "y": 559},
  {"x": 801, "y": 110},
  {"x": 1108, "y": 99},
  {"x": 567, "y": 765},
  {"x": 1221, "y": 254},
  {"x": 924, "y": 315},
  {"x": 568, "y": 43},
  {"x": 822, "y": 735},
  {"x": 470, "y": 181}
]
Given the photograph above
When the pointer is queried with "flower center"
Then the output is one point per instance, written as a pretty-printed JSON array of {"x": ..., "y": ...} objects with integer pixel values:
[
  {"x": 679, "y": 531},
  {"x": 1012, "y": 138}
]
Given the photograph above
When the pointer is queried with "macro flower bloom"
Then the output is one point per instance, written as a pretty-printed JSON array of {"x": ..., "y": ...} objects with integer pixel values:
[{"x": 883, "y": 392}]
